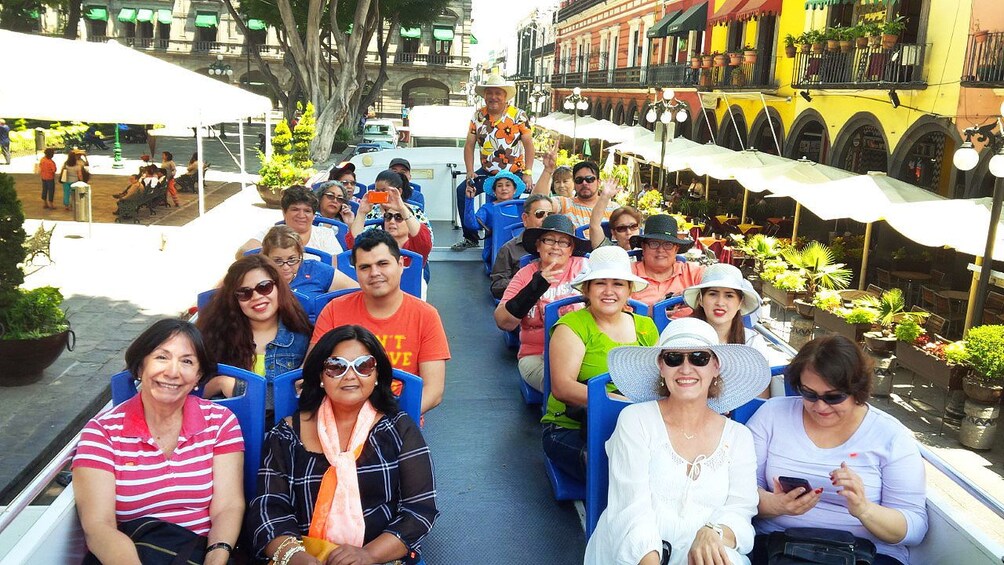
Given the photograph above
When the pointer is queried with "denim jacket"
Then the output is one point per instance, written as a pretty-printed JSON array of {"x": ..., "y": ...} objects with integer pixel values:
[{"x": 285, "y": 352}]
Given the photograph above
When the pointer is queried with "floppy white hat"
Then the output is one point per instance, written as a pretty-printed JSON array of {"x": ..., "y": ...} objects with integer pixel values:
[
  {"x": 496, "y": 81},
  {"x": 609, "y": 262},
  {"x": 743, "y": 369},
  {"x": 723, "y": 275}
]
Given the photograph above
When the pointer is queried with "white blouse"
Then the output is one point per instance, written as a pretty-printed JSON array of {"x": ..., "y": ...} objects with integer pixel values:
[{"x": 652, "y": 498}]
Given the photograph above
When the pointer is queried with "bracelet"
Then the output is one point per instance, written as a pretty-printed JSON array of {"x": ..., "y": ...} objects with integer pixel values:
[
  {"x": 278, "y": 550},
  {"x": 220, "y": 545},
  {"x": 293, "y": 550}
]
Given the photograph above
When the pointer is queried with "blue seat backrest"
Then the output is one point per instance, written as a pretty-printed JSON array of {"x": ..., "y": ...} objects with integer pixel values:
[
  {"x": 601, "y": 419},
  {"x": 321, "y": 300},
  {"x": 354, "y": 205},
  {"x": 503, "y": 232},
  {"x": 248, "y": 408},
  {"x": 360, "y": 190},
  {"x": 415, "y": 187},
  {"x": 746, "y": 411},
  {"x": 411, "y": 280},
  {"x": 580, "y": 231},
  {"x": 526, "y": 260},
  {"x": 287, "y": 401},
  {"x": 605, "y": 225},
  {"x": 203, "y": 298},
  {"x": 659, "y": 314}
]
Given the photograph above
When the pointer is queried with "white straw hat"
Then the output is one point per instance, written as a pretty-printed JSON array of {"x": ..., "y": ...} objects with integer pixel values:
[
  {"x": 743, "y": 369},
  {"x": 609, "y": 262},
  {"x": 723, "y": 275},
  {"x": 496, "y": 81}
]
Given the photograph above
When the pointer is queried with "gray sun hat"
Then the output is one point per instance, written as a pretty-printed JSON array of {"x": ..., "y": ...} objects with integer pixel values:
[
  {"x": 555, "y": 223},
  {"x": 609, "y": 262},
  {"x": 723, "y": 275},
  {"x": 743, "y": 369},
  {"x": 662, "y": 227}
]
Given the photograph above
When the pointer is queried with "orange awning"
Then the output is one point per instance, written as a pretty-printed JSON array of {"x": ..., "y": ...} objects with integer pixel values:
[
  {"x": 756, "y": 8},
  {"x": 727, "y": 12}
]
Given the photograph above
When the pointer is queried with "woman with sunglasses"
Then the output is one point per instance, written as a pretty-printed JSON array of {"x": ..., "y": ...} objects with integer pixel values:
[
  {"x": 579, "y": 345},
  {"x": 625, "y": 222},
  {"x": 254, "y": 322},
  {"x": 282, "y": 245},
  {"x": 682, "y": 476},
  {"x": 863, "y": 467},
  {"x": 399, "y": 219},
  {"x": 333, "y": 201},
  {"x": 349, "y": 468}
]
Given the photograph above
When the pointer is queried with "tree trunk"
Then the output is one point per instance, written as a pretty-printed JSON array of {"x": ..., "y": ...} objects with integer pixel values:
[{"x": 72, "y": 20}]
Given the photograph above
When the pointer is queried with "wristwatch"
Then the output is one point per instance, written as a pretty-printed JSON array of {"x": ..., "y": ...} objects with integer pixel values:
[{"x": 717, "y": 529}]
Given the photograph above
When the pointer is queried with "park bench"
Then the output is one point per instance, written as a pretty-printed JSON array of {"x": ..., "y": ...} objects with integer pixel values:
[{"x": 38, "y": 244}]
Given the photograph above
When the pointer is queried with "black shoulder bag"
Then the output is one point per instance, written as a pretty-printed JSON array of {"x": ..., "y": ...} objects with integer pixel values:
[
  {"x": 161, "y": 543},
  {"x": 824, "y": 546}
]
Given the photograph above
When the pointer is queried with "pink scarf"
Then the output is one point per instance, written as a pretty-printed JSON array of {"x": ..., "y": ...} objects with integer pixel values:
[{"x": 338, "y": 512}]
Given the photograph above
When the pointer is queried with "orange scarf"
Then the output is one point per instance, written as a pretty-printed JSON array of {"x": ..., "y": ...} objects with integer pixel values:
[{"x": 338, "y": 512}]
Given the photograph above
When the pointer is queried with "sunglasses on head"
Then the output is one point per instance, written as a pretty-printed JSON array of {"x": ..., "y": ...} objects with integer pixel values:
[
  {"x": 541, "y": 214},
  {"x": 580, "y": 180},
  {"x": 624, "y": 228},
  {"x": 830, "y": 398},
  {"x": 393, "y": 216},
  {"x": 675, "y": 358},
  {"x": 263, "y": 288},
  {"x": 337, "y": 367}
]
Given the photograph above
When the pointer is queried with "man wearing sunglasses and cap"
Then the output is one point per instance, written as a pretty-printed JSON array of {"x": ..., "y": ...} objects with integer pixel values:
[
  {"x": 537, "y": 208},
  {"x": 501, "y": 134},
  {"x": 586, "y": 176}
]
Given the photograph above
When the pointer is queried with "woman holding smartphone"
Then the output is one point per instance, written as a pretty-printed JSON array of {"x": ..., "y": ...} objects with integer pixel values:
[
  {"x": 863, "y": 467},
  {"x": 682, "y": 476}
]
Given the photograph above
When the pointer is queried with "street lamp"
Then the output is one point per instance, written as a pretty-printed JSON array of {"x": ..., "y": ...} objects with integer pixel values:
[
  {"x": 666, "y": 110},
  {"x": 576, "y": 102},
  {"x": 537, "y": 100},
  {"x": 221, "y": 69},
  {"x": 965, "y": 159}
]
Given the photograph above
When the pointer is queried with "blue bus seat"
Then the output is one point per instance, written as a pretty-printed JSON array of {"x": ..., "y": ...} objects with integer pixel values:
[
  {"x": 321, "y": 300},
  {"x": 203, "y": 298},
  {"x": 287, "y": 400},
  {"x": 659, "y": 314},
  {"x": 601, "y": 419},
  {"x": 526, "y": 260},
  {"x": 746, "y": 411},
  {"x": 604, "y": 225},
  {"x": 249, "y": 409},
  {"x": 411, "y": 279}
]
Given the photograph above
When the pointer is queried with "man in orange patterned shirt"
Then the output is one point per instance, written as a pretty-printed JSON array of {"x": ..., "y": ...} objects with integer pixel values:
[{"x": 501, "y": 134}]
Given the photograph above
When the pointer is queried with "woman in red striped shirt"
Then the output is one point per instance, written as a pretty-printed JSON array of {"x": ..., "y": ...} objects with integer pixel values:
[{"x": 163, "y": 454}]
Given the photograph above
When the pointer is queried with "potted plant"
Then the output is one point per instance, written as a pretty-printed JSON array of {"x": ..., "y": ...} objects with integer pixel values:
[
  {"x": 832, "y": 37},
  {"x": 803, "y": 42},
  {"x": 891, "y": 31},
  {"x": 816, "y": 39},
  {"x": 749, "y": 54},
  {"x": 695, "y": 61},
  {"x": 891, "y": 308},
  {"x": 873, "y": 31},
  {"x": 982, "y": 386},
  {"x": 815, "y": 263},
  {"x": 784, "y": 287},
  {"x": 980, "y": 35},
  {"x": 719, "y": 59},
  {"x": 789, "y": 46},
  {"x": 859, "y": 34},
  {"x": 33, "y": 328},
  {"x": 846, "y": 37},
  {"x": 290, "y": 161},
  {"x": 735, "y": 58},
  {"x": 706, "y": 61}
]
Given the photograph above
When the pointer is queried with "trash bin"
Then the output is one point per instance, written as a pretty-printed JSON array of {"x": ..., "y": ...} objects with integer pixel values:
[
  {"x": 81, "y": 192},
  {"x": 39, "y": 139}
]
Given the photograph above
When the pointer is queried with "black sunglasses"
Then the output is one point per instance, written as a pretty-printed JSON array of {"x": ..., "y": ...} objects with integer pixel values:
[
  {"x": 263, "y": 288},
  {"x": 830, "y": 398},
  {"x": 393, "y": 216},
  {"x": 675, "y": 358},
  {"x": 580, "y": 180},
  {"x": 624, "y": 228}
]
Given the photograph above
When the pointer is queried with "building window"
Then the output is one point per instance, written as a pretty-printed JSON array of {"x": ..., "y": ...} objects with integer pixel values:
[
  {"x": 442, "y": 39},
  {"x": 206, "y": 28}
]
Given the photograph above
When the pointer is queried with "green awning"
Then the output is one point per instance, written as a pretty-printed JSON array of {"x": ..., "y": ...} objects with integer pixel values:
[
  {"x": 694, "y": 19},
  {"x": 411, "y": 32},
  {"x": 164, "y": 16},
  {"x": 205, "y": 19},
  {"x": 474, "y": 40},
  {"x": 96, "y": 13},
  {"x": 144, "y": 15},
  {"x": 127, "y": 15},
  {"x": 34, "y": 14},
  {"x": 256, "y": 25},
  {"x": 818, "y": 4},
  {"x": 659, "y": 29},
  {"x": 442, "y": 33}
]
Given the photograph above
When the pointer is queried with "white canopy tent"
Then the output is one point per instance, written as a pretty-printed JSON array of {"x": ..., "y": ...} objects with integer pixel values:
[
  {"x": 109, "y": 91},
  {"x": 962, "y": 224}
]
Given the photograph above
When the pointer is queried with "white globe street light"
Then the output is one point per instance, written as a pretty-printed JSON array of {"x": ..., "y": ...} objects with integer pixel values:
[
  {"x": 997, "y": 165},
  {"x": 966, "y": 158}
]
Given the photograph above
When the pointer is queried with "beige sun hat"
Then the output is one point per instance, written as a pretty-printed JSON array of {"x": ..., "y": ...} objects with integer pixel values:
[
  {"x": 609, "y": 262},
  {"x": 723, "y": 275},
  {"x": 496, "y": 81},
  {"x": 743, "y": 369}
]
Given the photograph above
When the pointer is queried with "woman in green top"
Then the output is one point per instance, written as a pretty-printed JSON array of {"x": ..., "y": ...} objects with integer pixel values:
[{"x": 580, "y": 341}]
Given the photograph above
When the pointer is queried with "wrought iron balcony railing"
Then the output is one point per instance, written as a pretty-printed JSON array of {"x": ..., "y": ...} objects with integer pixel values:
[
  {"x": 902, "y": 65},
  {"x": 984, "y": 60}
]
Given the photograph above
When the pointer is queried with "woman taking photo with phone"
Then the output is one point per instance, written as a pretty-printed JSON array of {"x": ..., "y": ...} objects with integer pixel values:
[
  {"x": 682, "y": 476},
  {"x": 864, "y": 466},
  {"x": 399, "y": 219}
]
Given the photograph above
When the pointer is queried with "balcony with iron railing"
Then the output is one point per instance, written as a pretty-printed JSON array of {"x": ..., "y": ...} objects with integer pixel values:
[
  {"x": 744, "y": 76},
  {"x": 673, "y": 75},
  {"x": 984, "y": 65},
  {"x": 431, "y": 59},
  {"x": 862, "y": 67}
]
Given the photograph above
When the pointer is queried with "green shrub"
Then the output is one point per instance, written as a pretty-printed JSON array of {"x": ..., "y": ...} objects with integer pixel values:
[
  {"x": 985, "y": 346},
  {"x": 861, "y": 316},
  {"x": 908, "y": 331},
  {"x": 282, "y": 141},
  {"x": 34, "y": 314},
  {"x": 303, "y": 135},
  {"x": 12, "y": 238}
]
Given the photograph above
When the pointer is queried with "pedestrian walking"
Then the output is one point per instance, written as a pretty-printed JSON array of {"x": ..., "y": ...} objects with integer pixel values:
[
  {"x": 47, "y": 172},
  {"x": 5, "y": 140},
  {"x": 171, "y": 170}
]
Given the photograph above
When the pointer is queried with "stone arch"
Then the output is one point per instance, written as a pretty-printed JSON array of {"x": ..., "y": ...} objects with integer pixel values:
[
  {"x": 597, "y": 110},
  {"x": 702, "y": 133},
  {"x": 924, "y": 156},
  {"x": 425, "y": 91},
  {"x": 760, "y": 136},
  {"x": 633, "y": 118},
  {"x": 808, "y": 137},
  {"x": 619, "y": 113},
  {"x": 861, "y": 145},
  {"x": 727, "y": 135}
]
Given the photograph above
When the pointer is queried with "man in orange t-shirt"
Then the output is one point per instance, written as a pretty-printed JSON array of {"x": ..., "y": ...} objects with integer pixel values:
[
  {"x": 47, "y": 172},
  {"x": 409, "y": 329}
]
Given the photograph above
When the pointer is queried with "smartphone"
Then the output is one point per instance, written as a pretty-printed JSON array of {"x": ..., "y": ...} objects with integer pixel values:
[
  {"x": 789, "y": 484},
  {"x": 377, "y": 197}
]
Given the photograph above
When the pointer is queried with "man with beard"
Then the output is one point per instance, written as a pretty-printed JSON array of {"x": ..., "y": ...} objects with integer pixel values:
[{"x": 586, "y": 176}]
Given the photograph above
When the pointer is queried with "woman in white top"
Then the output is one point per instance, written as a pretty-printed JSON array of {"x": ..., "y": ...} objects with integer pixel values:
[
  {"x": 722, "y": 299},
  {"x": 682, "y": 476}
]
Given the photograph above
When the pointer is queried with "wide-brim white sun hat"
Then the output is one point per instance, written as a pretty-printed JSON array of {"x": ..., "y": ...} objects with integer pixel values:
[
  {"x": 496, "y": 81},
  {"x": 723, "y": 275},
  {"x": 743, "y": 369},
  {"x": 609, "y": 262}
]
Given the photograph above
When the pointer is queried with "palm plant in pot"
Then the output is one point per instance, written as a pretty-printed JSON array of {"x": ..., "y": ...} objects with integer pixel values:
[
  {"x": 760, "y": 248},
  {"x": 891, "y": 308},
  {"x": 33, "y": 327},
  {"x": 815, "y": 263}
]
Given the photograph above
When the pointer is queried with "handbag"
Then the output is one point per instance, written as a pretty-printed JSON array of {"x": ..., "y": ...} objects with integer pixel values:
[
  {"x": 824, "y": 546},
  {"x": 161, "y": 543},
  {"x": 63, "y": 175},
  {"x": 85, "y": 174}
]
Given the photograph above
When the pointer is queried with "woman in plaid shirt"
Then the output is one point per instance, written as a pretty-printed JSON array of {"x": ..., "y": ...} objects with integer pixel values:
[{"x": 350, "y": 468}]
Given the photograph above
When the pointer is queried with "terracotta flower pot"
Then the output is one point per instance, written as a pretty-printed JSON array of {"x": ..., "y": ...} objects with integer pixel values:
[
  {"x": 706, "y": 61},
  {"x": 749, "y": 57},
  {"x": 889, "y": 40},
  {"x": 695, "y": 62},
  {"x": 981, "y": 390},
  {"x": 980, "y": 36},
  {"x": 789, "y": 52},
  {"x": 817, "y": 47},
  {"x": 874, "y": 40},
  {"x": 832, "y": 45},
  {"x": 735, "y": 59},
  {"x": 846, "y": 46},
  {"x": 720, "y": 60},
  {"x": 271, "y": 199},
  {"x": 861, "y": 42}
]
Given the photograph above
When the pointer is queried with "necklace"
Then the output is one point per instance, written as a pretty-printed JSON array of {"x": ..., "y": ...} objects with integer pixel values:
[{"x": 689, "y": 436}]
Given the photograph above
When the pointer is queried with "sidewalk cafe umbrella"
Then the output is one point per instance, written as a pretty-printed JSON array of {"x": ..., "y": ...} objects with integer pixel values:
[
  {"x": 862, "y": 198},
  {"x": 725, "y": 167},
  {"x": 605, "y": 131}
]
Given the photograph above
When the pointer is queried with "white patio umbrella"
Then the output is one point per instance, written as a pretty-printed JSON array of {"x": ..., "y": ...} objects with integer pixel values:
[
  {"x": 681, "y": 160},
  {"x": 962, "y": 224},
  {"x": 726, "y": 167},
  {"x": 605, "y": 131},
  {"x": 862, "y": 198},
  {"x": 782, "y": 178}
]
